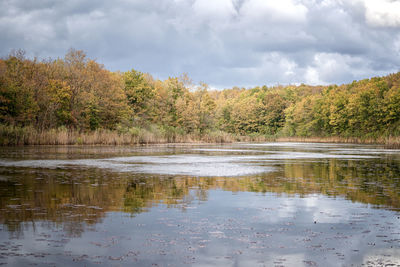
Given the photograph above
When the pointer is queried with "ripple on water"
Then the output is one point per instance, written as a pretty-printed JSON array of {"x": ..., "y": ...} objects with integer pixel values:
[
  {"x": 168, "y": 165},
  {"x": 184, "y": 164}
]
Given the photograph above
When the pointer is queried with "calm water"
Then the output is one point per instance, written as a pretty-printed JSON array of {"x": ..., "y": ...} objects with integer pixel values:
[{"x": 274, "y": 204}]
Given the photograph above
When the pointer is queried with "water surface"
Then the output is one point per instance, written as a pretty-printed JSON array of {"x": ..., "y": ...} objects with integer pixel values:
[{"x": 273, "y": 204}]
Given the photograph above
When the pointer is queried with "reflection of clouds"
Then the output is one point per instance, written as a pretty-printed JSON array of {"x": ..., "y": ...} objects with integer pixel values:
[
  {"x": 185, "y": 164},
  {"x": 203, "y": 169},
  {"x": 321, "y": 209},
  {"x": 36, "y": 244},
  {"x": 207, "y": 164},
  {"x": 267, "y": 229},
  {"x": 294, "y": 144},
  {"x": 383, "y": 257},
  {"x": 343, "y": 232},
  {"x": 335, "y": 149},
  {"x": 124, "y": 163},
  {"x": 269, "y": 208},
  {"x": 287, "y": 208},
  {"x": 272, "y": 258},
  {"x": 309, "y": 155},
  {"x": 366, "y": 151},
  {"x": 170, "y": 165},
  {"x": 324, "y": 210},
  {"x": 231, "y": 226},
  {"x": 225, "y": 150},
  {"x": 311, "y": 201}
]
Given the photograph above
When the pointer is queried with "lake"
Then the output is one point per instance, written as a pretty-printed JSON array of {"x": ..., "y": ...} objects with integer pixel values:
[{"x": 272, "y": 204}]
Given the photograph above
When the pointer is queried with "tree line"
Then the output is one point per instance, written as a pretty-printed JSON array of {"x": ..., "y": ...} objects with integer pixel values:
[{"x": 77, "y": 93}]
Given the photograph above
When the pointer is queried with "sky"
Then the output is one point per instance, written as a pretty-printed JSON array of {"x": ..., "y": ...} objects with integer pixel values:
[{"x": 223, "y": 43}]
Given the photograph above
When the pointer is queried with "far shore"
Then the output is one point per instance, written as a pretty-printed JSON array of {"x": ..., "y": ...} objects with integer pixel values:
[{"x": 29, "y": 136}]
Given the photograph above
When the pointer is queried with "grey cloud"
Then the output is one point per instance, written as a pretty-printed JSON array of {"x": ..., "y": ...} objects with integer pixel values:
[{"x": 224, "y": 43}]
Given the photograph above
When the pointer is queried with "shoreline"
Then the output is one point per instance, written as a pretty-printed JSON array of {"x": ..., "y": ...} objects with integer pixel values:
[
  {"x": 29, "y": 136},
  {"x": 113, "y": 138},
  {"x": 389, "y": 142}
]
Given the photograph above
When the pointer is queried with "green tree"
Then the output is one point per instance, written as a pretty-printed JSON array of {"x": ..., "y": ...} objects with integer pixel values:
[{"x": 138, "y": 92}]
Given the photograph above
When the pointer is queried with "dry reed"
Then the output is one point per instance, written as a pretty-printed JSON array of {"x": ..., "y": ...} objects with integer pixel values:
[
  {"x": 10, "y": 135},
  {"x": 18, "y": 136},
  {"x": 388, "y": 142}
]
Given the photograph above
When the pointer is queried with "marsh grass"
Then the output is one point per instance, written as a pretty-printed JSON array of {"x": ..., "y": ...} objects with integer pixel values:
[
  {"x": 388, "y": 142},
  {"x": 18, "y": 136}
]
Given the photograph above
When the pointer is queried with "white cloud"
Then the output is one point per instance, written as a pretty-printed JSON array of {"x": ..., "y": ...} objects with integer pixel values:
[
  {"x": 222, "y": 42},
  {"x": 217, "y": 9},
  {"x": 326, "y": 68},
  {"x": 384, "y": 13},
  {"x": 312, "y": 76},
  {"x": 282, "y": 10},
  {"x": 397, "y": 44}
]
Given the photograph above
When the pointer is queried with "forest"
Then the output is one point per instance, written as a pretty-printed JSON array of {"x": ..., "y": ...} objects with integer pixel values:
[{"x": 75, "y": 100}]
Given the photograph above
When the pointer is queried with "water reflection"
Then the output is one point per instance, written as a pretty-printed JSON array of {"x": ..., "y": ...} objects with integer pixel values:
[
  {"x": 303, "y": 199},
  {"x": 84, "y": 195}
]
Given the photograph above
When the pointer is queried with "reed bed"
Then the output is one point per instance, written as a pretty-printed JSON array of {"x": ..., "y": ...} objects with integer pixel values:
[
  {"x": 19, "y": 136},
  {"x": 388, "y": 142}
]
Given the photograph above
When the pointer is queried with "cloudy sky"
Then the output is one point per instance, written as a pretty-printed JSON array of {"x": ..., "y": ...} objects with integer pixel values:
[{"x": 224, "y": 43}]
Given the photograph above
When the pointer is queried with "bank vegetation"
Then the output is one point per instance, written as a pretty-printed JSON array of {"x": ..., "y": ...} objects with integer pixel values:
[{"x": 75, "y": 100}]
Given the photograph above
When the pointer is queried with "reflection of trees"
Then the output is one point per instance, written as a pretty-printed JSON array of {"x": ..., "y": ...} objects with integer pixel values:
[
  {"x": 72, "y": 198},
  {"x": 368, "y": 181},
  {"x": 76, "y": 198}
]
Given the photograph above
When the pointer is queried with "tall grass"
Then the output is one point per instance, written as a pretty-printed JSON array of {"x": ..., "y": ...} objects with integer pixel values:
[
  {"x": 388, "y": 142},
  {"x": 18, "y": 136}
]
